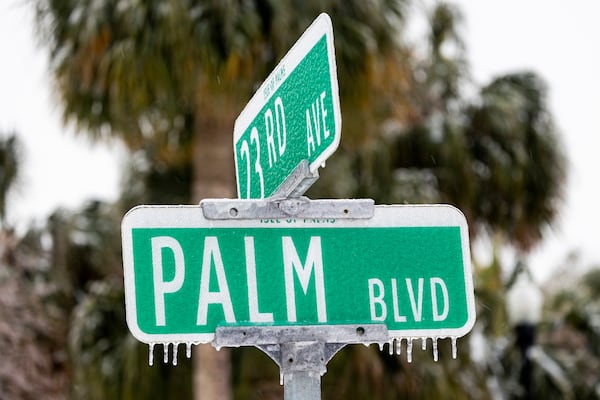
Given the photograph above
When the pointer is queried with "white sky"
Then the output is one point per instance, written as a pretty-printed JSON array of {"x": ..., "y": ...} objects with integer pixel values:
[
  {"x": 557, "y": 39},
  {"x": 60, "y": 169}
]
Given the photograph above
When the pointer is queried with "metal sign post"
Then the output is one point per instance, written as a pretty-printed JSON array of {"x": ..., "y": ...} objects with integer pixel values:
[
  {"x": 295, "y": 277},
  {"x": 298, "y": 278},
  {"x": 301, "y": 352}
]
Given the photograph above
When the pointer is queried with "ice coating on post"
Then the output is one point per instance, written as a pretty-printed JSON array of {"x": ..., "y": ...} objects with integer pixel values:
[
  {"x": 429, "y": 302},
  {"x": 454, "y": 347},
  {"x": 395, "y": 346},
  {"x": 151, "y": 354},
  {"x": 428, "y": 305},
  {"x": 175, "y": 346},
  {"x": 175, "y": 350},
  {"x": 166, "y": 353}
]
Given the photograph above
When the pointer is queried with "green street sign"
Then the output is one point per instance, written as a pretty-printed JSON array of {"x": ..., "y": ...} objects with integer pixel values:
[
  {"x": 407, "y": 267},
  {"x": 293, "y": 116}
]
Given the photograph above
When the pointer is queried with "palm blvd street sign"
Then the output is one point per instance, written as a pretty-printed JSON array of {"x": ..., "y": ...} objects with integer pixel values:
[
  {"x": 408, "y": 267},
  {"x": 294, "y": 115}
]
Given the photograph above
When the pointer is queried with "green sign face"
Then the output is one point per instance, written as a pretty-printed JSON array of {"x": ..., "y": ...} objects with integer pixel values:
[
  {"x": 294, "y": 115},
  {"x": 408, "y": 268}
]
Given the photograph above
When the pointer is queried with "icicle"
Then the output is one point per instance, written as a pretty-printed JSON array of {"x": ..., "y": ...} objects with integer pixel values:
[
  {"x": 423, "y": 343},
  {"x": 175, "y": 347},
  {"x": 409, "y": 349},
  {"x": 381, "y": 346},
  {"x": 435, "y": 348},
  {"x": 391, "y": 347},
  {"x": 454, "y": 347},
  {"x": 188, "y": 349},
  {"x": 398, "y": 346},
  {"x": 151, "y": 354},
  {"x": 280, "y": 379},
  {"x": 166, "y": 352}
]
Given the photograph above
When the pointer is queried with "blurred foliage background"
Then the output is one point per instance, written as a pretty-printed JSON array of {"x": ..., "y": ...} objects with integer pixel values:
[{"x": 169, "y": 77}]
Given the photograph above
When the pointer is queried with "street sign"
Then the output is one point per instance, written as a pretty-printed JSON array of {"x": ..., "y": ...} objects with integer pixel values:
[
  {"x": 294, "y": 115},
  {"x": 407, "y": 267}
]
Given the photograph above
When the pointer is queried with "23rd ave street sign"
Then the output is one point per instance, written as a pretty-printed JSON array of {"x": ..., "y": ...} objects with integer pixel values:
[
  {"x": 293, "y": 116},
  {"x": 407, "y": 267}
]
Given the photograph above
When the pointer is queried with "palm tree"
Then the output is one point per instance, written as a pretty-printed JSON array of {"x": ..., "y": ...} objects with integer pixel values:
[
  {"x": 10, "y": 164},
  {"x": 497, "y": 158},
  {"x": 569, "y": 341},
  {"x": 32, "y": 330},
  {"x": 512, "y": 134},
  {"x": 170, "y": 77}
]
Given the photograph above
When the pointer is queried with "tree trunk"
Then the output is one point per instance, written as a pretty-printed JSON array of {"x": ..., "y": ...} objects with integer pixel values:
[
  {"x": 213, "y": 162},
  {"x": 213, "y": 167}
]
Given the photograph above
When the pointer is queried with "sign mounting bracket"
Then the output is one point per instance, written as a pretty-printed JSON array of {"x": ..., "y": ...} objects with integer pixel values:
[
  {"x": 301, "y": 352},
  {"x": 298, "y": 182},
  {"x": 299, "y": 207},
  {"x": 285, "y": 208},
  {"x": 288, "y": 202}
]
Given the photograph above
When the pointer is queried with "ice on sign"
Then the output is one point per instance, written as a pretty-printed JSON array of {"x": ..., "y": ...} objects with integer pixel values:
[
  {"x": 407, "y": 267},
  {"x": 294, "y": 116}
]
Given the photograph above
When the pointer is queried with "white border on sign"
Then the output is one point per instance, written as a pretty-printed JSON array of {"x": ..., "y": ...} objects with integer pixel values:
[
  {"x": 385, "y": 216},
  {"x": 321, "y": 26}
]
